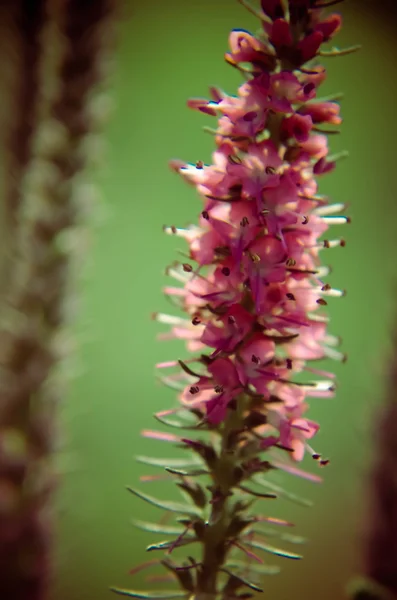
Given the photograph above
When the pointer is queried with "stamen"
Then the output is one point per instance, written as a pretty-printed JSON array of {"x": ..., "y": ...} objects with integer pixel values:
[
  {"x": 334, "y": 354},
  {"x": 244, "y": 222},
  {"x": 329, "y": 209},
  {"x": 172, "y": 272},
  {"x": 332, "y": 220},
  {"x": 330, "y": 244},
  {"x": 332, "y": 340},
  {"x": 323, "y": 271},
  {"x": 169, "y": 319},
  {"x": 329, "y": 291}
]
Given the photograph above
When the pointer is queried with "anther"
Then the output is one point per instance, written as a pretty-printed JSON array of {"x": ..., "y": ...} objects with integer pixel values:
[
  {"x": 326, "y": 243},
  {"x": 290, "y": 296},
  {"x": 324, "y": 462},
  {"x": 290, "y": 262},
  {"x": 226, "y": 271},
  {"x": 244, "y": 222},
  {"x": 196, "y": 321},
  {"x": 205, "y": 215},
  {"x": 194, "y": 389},
  {"x": 231, "y": 320},
  {"x": 218, "y": 389},
  {"x": 316, "y": 456},
  {"x": 222, "y": 250},
  {"x": 321, "y": 301},
  {"x": 326, "y": 287},
  {"x": 255, "y": 359},
  {"x": 305, "y": 220},
  {"x": 288, "y": 363},
  {"x": 187, "y": 268},
  {"x": 342, "y": 243},
  {"x": 199, "y": 164},
  {"x": 270, "y": 170},
  {"x": 254, "y": 257}
]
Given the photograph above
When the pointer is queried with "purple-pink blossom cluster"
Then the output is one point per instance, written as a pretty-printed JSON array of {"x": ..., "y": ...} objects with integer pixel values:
[{"x": 254, "y": 287}]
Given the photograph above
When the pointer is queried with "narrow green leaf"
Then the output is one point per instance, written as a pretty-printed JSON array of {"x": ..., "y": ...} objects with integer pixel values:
[
  {"x": 256, "y": 494},
  {"x": 337, "y": 52},
  {"x": 285, "y": 537},
  {"x": 242, "y": 580},
  {"x": 193, "y": 493},
  {"x": 193, "y": 473},
  {"x": 253, "y": 567},
  {"x": 330, "y": 98},
  {"x": 177, "y": 463},
  {"x": 175, "y": 424},
  {"x": 166, "y": 595},
  {"x": 166, "y": 505},
  {"x": 183, "y": 576},
  {"x": 281, "y": 492},
  {"x": 337, "y": 156},
  {"x": 157, "y": 528},
  {"x": 272, "y": 549},
  {"x": 171, "y": 544}
]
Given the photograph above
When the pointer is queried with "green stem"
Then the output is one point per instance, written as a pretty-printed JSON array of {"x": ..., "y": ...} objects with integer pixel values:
[{"x": 215, "y": 544}]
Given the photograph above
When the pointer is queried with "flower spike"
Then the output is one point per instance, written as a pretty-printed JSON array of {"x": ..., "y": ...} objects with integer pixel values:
[{"x": 252, "y": 289}]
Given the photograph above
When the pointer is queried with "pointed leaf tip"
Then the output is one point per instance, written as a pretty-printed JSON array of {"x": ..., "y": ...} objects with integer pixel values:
[
  {"x": 157, "y": 528},
  {"x": 166, "y": 505},
  {"x": 147, "y": 595},
  {"x": 167, "y": 545},
  {"x": 272, "y": 549}
]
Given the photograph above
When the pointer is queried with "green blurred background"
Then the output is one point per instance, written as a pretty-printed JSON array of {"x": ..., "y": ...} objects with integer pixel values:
[{"x": 171, "y": 50}]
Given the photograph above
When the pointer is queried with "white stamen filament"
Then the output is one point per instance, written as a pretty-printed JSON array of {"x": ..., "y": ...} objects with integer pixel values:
[
  {"x": 332, "y": 353},
  {"x": 179, "y": 275},
  {"x": 332, "y": 340},
  {"x": 335, "y": 220},
  {"x": 321, "y": 386},
  {"x": 171, "y": 319},
  {"x": 329, "y": 244},
  {"x": 318, "y": 318},
  {"x": 333, "y": 292},
  {"x": 323, "y": 271},
  {"x": 329, "y": 209}
]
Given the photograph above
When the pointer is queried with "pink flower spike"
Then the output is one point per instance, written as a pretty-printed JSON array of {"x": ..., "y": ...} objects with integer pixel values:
[{"x": 251, "y": 289}]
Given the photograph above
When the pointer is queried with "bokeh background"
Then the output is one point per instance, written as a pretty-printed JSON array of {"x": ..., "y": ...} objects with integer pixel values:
[{"x": 170, "y": 50}]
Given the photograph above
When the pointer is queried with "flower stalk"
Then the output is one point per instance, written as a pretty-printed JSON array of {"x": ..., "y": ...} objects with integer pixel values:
[{"x": 253, "y": 291}]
